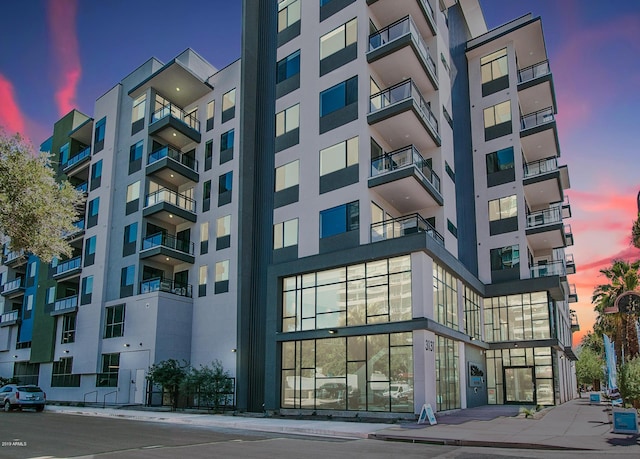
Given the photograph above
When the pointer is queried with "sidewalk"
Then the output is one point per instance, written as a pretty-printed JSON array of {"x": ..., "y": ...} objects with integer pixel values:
[{"x": 575, "y": 425}]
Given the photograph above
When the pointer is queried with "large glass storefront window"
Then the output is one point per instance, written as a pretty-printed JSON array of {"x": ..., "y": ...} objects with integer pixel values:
[
  {"x": 471, "y": 313},
  {"x": 445, "y": 297},
  {"x": 364, "y": 373},
  {"x": 366, "y": 293},
  {"x": 517, "y": 317},
  {"x": 447, "y": 374}
]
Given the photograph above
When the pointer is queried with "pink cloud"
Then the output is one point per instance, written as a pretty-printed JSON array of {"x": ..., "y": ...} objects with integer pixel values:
[
  {"x": 11, "y": 117},
  {"x": 629, "y": 254},
  {"x": 62, "y": 26}
]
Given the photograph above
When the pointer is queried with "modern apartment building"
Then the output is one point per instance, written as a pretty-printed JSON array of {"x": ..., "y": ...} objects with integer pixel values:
[{"x": 380, "y": 167}]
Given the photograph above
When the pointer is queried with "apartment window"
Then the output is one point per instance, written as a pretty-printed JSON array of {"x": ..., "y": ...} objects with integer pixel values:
[
  {"x": 127, "y": 280},
  {"x": 29, "y": 302},
  {"x": 287, "y": 120},
  {"x": 86, "y": 290},
  {"x": 114, "y": 321},
  {"x": 68, "y": 328},
  {"x": 202, "y": 280},
  {"x": 210, "y": 111},
  {"x": 33, "y": 269},
  {"x": 503, "y": 208},
  {"x": 340, "y": 219},
  {"x": 137, "y": 114},
  {"x": 208, "y": 155},
  {"x": 495, "y": 72},
  {"x": 472, "y": 313},
  {"x": 500, "y": 167},
  {"x": 135, "y": 157},
  {"x": 27, "y": 373},
  {"x": 130, "y": 239},
  {"x": 288, "y": 13},
  {"x": 133, "y": 198},
  {"x": 228, "y": 105},
  {"x": 62, "y": 373},
  {"x": 505, "y": 258},
  {"x": 225, "y": 185},
  {"x": 226, "y": 146},
  {"x": 223, "y": 232},
  {"x": 89, "y": 251},
  {"x": 339, "y": 156},
  {"x": 64, "y": 154},
  {"x": 285, "y": 234},
  {"x": 447, "y": 374},
  {"x": 288, "y": 67},
  {"x": 51, "y": 295},
  {"x": 204, "y": 238},
  {"x": 287, "y": 175},
  {"x": 92, "y": 212},
  {"x": 497, "y": 120},
  {"x": 206, "y": 196},
  {"x": 445, "y": 297},
  {"x": 339, "y": 96},
  {"x": 98, "y": 136},
  {"x": 96, "y": 174},
  {"x": 110, "y": 367},
  {"x": 222, "y": 276},
  {"x": 338, "y": 39},
  {"x": 517, "y": 317}
]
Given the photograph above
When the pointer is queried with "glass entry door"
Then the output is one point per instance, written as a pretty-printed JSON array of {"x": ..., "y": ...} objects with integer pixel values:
[{"x": 519, "y": 385}]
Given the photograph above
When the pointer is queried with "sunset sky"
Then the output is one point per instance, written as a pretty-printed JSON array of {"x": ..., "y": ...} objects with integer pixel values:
[{"x": 61, "y": 54}]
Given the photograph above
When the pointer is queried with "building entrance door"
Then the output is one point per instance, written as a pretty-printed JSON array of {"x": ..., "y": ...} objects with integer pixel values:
[{"x": 519, "y": 385}]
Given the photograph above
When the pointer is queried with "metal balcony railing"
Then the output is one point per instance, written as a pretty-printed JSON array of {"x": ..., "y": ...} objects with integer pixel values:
[
  {"x": 171, "y": 197},
  {"x": 68, "y": 265},
  {"x": 160, "y": 284},
  {"x": 540, "y": 167},
  {"x": 82, "y": 154},
  {"x": 169, "y": 241},
  {"x": 12, "y": 285},
  {"x": 553, "y": 268},
  {"x": 176, "y": 112},
  {"x": 168, "y": 152},
  {"x": 402, "y": 226},
  {"x": 404, "y": 157},
  {"x": 544, "y": 217},
  {"x": 399, "y": 29},
  {"x": 534, "y": 71},
  {"x": 399, "y": 93},
  {"x": 537, "y": 118},
  {"x": 70, "y": 302}
]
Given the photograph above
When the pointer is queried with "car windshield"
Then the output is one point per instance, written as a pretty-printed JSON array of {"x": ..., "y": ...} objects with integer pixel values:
[{"x": 29, "y": 389}]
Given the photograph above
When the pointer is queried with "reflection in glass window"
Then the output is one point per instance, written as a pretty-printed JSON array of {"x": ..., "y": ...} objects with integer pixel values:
[
  {"x": 287, "y": 175},
  {"x": 288, "y": 120},
  {"x": 288, "y": 67},
  {"x": 288, "y": 13},
  {"x": 502, "y": 208},
  {"x": 133, "y": 191},
  {"x": 339, "y": 156},
  {"x": 500, "y": 160},
  {"x": 139, "y": 105},
  {"x": 505, "y": 258},
  {"x": 517, "y": 317},
  {"x": 340, "y": 219},
  {"x": 285, "y": 234},
  {"x": 497, "y": 114},
  {"x": 339, "y": 96},
  {"x": 229, "y": 100},
  {"x": 494, "y": 66},
  {"x": 445, "y": 297},
  {"x": 223, "y": 226},
  {"x": 339, "y": 38},
  {"x": 222, "y": 271}
]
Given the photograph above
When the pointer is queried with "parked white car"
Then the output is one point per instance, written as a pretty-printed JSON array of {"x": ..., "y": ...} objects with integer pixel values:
[{"x": 19, "y": 396}]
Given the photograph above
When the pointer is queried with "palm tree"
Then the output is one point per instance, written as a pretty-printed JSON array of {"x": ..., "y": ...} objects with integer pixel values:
[
  {"x": 623, "y": 277},
  {"x": 635, "y": 232}
]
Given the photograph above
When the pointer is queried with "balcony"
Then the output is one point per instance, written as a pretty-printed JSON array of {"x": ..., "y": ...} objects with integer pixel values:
[
  {"x": 387, "y": 12},
  {"x": 14, "y": 259},
  {"x": 77, "y": 233},
  {"x": 554, "y": 268},
  {"x": 68, "y": 269},
  {"x": 403, "y": 226},
  {"x": 570, "y": 263},
  {"x": 65, "y": 305},
  {"x": 159, "y": 284},
  {"x": 573, "y": 295},
  {"x": 568, "y": 235},
  {"x": 575, "y": 326},
  {"x": 539, "y": 135},
  {"x": 401, "y": 115},
  {"x": 172, "y": 166},
  {"x": 83, "y": 188},
  {"x": 10, "y": 318},
  {"x": 14, "y": 288},
  {"x": 170, "y": 207},
  {"x": 175, "y": 126},
  {"x": 405, "y": 179},
  {"x": 78, "y": 162},
  {"x": 535, "y": 87},
  {"x": 544, "y": 229},
  {"x": 544, "y": 182},
  {"x": 167, "y": 249},
  {"x": 399, "y": 50}
]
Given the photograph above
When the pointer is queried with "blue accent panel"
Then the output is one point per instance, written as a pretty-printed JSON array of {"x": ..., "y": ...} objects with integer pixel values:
[{"x": 463, "y": 146}]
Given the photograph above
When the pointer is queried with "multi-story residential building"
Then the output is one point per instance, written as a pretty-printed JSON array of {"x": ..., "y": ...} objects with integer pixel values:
[{"x": 380, "y": 166}]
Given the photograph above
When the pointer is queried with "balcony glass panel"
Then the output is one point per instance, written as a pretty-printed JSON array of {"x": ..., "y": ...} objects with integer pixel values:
[
  {"x": 85, "y": 153},
  {"x": 399, "y": 93},
  {"x": 83, "y": 187},
  {"x": 542, "y": 166},
  {"x": 167, "y": 240},
  {"x": 69, "y": 265},
  {"x": 160, "y": 284},
  {"x": 168, "y": 152},
  {"x": 537, "y": 118},
  {"x": 10, "y": 316},
  {"x": 544, "y": 217},
  {"x": 69, "y": 302},
  {"x": 11, "y": 256},
  {"x": 177, "y": 199},
  {"x": 12, "y": 285},
  {"x": 402, "y": 226},
  {"x": 176, "y": 112},
  {"x": 533, "y": 72},
  {"x": 554, "y": 268},
  {"x": 404, "y": 157}
]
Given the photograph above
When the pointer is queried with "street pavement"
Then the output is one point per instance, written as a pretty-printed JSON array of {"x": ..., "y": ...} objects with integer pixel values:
[{"x": 575, "y": 425}]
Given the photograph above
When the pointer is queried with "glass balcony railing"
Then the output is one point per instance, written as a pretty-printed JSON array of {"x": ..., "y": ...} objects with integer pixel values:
[
  {"x": 167, "y": 240},
  {"x": 85, "y": 153},
  {"x": 544, "y": 217},
  {"x": 10, "y": 316},
  {"x": 554, "y": 268},
  {"x": 68, "y": 265},
  {"x": 429, "y": 9},
  {"x": 83, "y": 187},
  {"x": 176, "y": 112},
  {"x": 70, "y": 302},
  {"x": 399, "y": 93},
  {"x": 537, "y": 118},
  {"x": 171, "y": 197},
  {"x": 12, "y": 285},
  {"x": 12, "y": 256},
  {"x": 160, "y": 284},
  {"x": 534, "y": 71},
  {"x": 540, "y": 167},
  {"x": 168, "y": 152},
  {"x": 399, "y": 29},
  {"x": 79, "y": 228},
  {"x": 407, "y": 156},
  {"x": 402, "y": 226}
]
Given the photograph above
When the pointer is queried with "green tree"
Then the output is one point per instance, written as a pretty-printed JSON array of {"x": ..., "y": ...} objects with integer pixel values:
[
  {"x": 589, "y": 367},
  {"x": 36, "y": 211},
  {"x": 594, "y": 342},
  {"x": 212, "y": 384},
  {"x": 629, "y": 381},
  {"x": 620, "y": 327},
  {"x": 169, "y": 374},
  {"x": 635, "y": 232}
]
